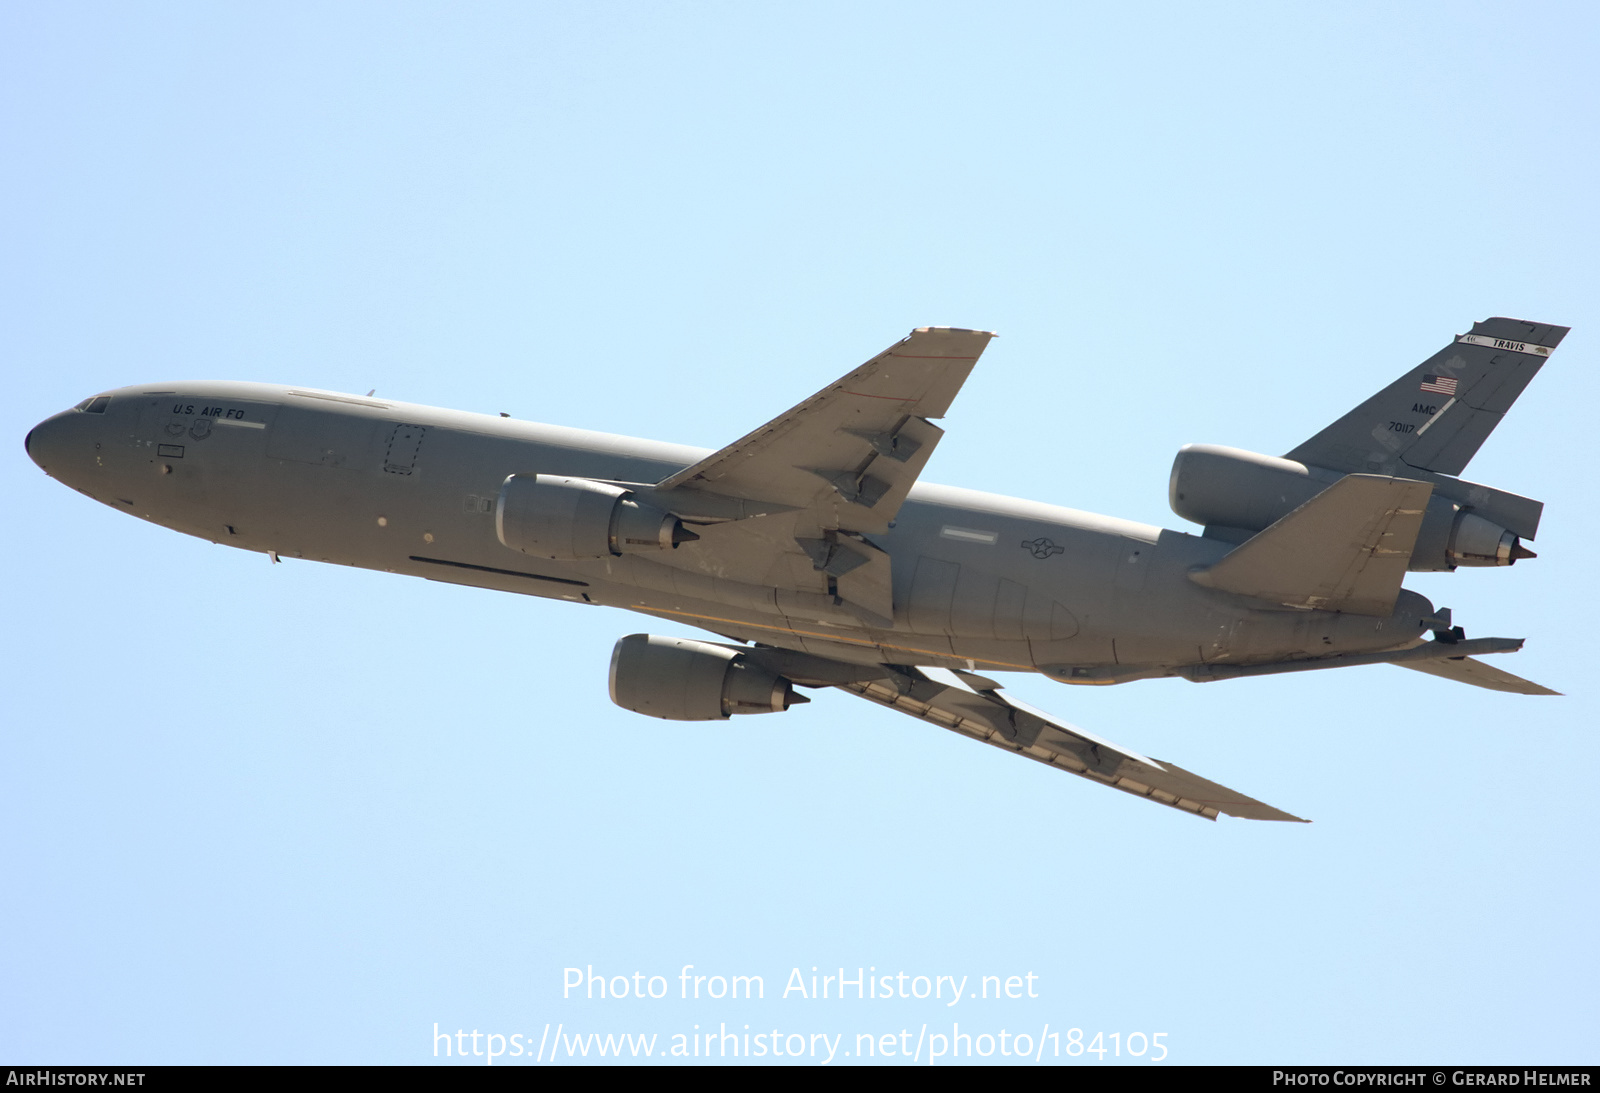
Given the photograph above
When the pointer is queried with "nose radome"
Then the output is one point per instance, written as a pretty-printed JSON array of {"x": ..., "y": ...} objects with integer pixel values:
[
  {"x": 45, "y": 442},
  {"x": 28, "y": 444}
]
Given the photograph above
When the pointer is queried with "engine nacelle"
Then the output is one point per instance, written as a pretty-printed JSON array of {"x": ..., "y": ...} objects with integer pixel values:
[
  {"x": 1475, "y": 541},
  {"x": 682, "y": 680},
  {"x": 1236, "y": 491},
  {"x": 574, "y": 518},
  {"x": 1233, "y": 488}
]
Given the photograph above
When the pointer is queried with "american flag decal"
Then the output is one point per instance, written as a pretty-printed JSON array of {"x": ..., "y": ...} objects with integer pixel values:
[{"x": 1440, "y": 385}]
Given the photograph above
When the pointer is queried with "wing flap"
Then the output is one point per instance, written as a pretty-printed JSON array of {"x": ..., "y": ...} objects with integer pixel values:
[
  {"x": 1002, "y": 722},
  {"x": 1346, "y": 549}
]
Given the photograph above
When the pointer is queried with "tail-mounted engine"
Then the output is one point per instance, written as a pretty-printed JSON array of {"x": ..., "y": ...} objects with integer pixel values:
[
  {"x": 574, "y": 518},
  {"x": 1236, "y": 493},
  {"x": 683, "y": 680}
]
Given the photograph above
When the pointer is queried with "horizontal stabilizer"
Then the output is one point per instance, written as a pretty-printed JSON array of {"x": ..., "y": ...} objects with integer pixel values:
[
  {"x": 1477, "y": 673},
  {"x": 1346, "y": 549},
  {"x": 1447, "y": 661}
]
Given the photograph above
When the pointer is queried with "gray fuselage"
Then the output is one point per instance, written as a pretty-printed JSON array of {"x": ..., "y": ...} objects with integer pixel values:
[{"x": 979, "y": 580}]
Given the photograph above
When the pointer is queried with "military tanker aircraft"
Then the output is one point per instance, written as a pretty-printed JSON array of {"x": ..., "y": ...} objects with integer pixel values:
[{"x": 811, "y": 548}]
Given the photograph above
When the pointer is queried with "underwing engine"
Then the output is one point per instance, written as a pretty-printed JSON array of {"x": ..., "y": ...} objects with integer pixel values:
[
  {"x": 682, "y": 680},
  {"x": 569, "y": 519}
]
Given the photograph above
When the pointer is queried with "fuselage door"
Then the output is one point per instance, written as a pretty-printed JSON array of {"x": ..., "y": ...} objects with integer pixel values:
[{"x": 405, "y": 442}]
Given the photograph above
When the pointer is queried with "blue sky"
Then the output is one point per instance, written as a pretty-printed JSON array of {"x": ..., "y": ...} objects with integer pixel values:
[{"x": 302, "y": 814}]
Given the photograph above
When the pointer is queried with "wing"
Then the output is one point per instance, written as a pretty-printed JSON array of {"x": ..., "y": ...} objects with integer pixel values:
[
  {"x": 802, "y": 493},
  {"x": 973, "y": 706},
  {"x": 850, "y": 452}
]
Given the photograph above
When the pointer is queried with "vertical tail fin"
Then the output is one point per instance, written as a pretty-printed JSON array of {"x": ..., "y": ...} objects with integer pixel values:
[{"x": 1436, "y": 416}]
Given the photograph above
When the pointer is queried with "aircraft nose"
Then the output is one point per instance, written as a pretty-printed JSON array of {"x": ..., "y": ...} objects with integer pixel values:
[{"x": 46, "y": 442}]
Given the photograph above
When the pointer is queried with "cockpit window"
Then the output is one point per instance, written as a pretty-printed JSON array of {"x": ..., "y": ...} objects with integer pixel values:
[{"x": 95, "y": 405}]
